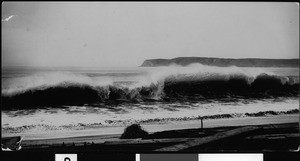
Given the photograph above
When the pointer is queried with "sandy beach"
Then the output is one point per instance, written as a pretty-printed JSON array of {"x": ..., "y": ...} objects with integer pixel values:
[{"x": 113, "y": 133}]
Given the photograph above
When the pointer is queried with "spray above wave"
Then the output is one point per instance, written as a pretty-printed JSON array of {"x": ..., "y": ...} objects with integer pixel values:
[{"x": 168, "y": 84}]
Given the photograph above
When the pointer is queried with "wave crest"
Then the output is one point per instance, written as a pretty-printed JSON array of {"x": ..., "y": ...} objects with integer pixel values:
[{"x": 167, "y": 85}]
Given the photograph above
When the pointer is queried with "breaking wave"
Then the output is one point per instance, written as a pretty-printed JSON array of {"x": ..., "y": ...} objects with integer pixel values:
[{"x": 179, "y": 85}]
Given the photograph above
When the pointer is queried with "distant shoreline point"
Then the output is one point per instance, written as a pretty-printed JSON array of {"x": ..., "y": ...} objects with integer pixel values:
[{"x": 222, "y": 62}]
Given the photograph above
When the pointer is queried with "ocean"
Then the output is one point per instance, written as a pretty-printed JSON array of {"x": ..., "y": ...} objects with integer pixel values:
[{"x": 44, "y": 100}]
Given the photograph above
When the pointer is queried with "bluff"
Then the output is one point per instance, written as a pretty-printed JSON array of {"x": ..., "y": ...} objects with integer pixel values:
[{"x": 222, "y": 62}]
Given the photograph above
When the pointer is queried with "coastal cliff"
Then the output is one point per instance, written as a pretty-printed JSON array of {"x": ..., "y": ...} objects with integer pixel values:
[{"x": 222, "y": 62}]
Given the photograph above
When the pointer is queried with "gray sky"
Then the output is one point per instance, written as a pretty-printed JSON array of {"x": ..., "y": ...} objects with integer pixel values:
[{"x": 125, "y": 34}]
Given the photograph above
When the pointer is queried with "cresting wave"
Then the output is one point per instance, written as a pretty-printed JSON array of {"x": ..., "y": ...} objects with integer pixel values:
[
  {"x": 181, "y": 85},
  {"x": 69, "y": 93}
]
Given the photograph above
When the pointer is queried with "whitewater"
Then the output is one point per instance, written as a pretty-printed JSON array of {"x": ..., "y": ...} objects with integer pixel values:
[{"x": 42, "y": 100}]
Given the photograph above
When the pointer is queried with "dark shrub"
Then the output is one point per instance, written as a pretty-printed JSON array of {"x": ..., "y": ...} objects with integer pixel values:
[{"x": 134, "y": 131}]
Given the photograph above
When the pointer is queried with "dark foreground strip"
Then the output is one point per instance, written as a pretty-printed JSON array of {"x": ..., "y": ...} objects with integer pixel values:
[
  {"x": 200, "y": 141},
  {"x": 139, "y": 141}
]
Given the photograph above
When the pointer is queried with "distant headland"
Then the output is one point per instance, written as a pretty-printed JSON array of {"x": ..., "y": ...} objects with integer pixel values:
[{"x": 222, "y": 62}]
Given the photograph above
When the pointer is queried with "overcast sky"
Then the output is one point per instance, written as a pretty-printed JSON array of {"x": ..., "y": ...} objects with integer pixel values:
[{"x": 125, "y": 34}]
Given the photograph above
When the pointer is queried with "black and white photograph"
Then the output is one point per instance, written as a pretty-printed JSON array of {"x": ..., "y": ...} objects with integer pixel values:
[{"x": 141, "y": 77}]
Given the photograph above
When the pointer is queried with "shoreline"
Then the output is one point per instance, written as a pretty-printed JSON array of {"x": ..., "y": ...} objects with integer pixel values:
[{"x": 113, "y": 133}]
